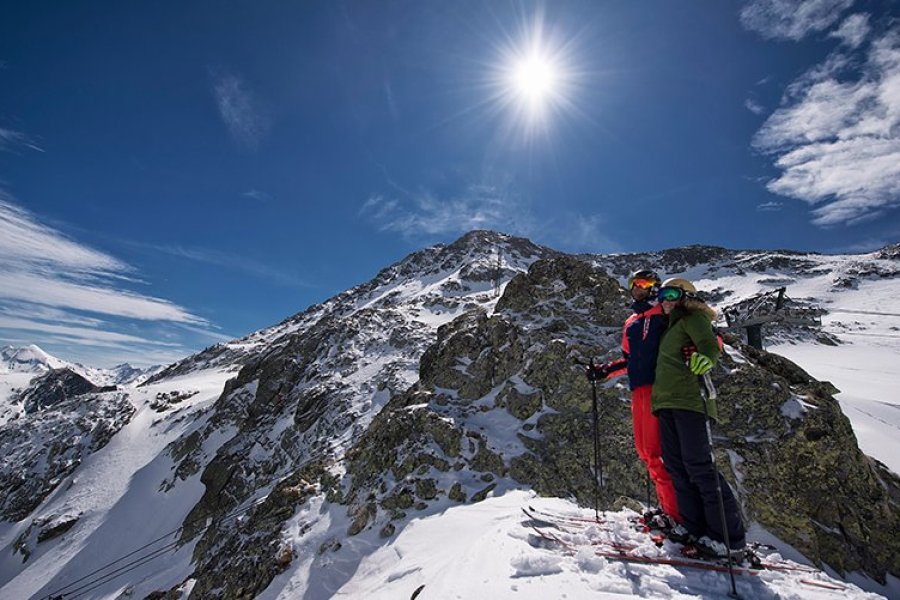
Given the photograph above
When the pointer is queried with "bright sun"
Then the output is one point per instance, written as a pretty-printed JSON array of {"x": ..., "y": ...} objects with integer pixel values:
[
  {"x": 535, "y": 80},
  {"x": 535, "y": 77}
]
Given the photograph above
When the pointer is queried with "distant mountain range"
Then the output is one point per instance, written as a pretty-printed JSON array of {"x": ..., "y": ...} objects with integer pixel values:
[
  {"x": 32, "y": 359},
  {"x": 448, "y": 377}
]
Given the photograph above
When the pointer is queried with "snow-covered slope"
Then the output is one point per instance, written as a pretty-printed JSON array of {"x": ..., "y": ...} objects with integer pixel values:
[{"x": 339, "y": 363}]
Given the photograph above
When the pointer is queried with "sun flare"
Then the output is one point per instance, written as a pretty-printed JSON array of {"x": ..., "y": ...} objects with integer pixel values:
[{"x": 534, "y": 77}]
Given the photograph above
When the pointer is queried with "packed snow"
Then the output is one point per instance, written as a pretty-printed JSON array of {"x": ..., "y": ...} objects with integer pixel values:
[{"x": 490, "y": 550}]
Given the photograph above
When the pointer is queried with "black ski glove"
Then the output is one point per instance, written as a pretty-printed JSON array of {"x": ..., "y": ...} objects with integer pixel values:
[{"x": 597, "y": 372}]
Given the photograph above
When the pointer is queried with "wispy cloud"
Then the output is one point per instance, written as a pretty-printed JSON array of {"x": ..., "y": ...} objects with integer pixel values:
[
  {"x": 753, "y": 106},
  {"x": 255, "y": 194},
  {"x": 240, "y": 110},
  {"x": 57, "y": 290},
  {"x": 576, "y": 232},
  {"x": 853, "y": 30},
  {"x": 477, "y": 207},
  {"x": 770, "y": 206},
  {"x": 231, "y": 261},
  {"x": 391, "y": 102},
  {"x": 836, "y": 136},
  {"x": 791, "y": 19},
  {"x": 11, "y": 139},
  {"x": 427, "y": 215}
]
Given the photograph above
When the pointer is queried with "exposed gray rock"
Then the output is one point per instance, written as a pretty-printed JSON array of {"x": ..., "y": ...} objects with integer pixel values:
[{"x": 54, "y": 387}]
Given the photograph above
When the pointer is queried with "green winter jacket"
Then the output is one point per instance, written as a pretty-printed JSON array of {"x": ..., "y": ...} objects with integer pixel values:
[{"x": 675, "y": 385}]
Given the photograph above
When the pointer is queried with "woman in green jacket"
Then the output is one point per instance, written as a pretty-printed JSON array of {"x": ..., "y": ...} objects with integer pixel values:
[{"x": 678, "y": 405}]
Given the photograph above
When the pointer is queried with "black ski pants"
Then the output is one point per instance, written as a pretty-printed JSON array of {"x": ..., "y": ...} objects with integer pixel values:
[{"x": 686, "y": 453}]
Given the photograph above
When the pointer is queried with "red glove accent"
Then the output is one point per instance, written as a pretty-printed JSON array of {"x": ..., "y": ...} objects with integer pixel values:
[{"x": 687, "y": 351}]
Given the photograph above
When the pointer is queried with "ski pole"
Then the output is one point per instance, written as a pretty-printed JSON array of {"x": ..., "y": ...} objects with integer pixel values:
[
  {"x": 710, "y": 393},
  {"x": 598, "y": 462},
  {"x": 648, "y": 488}
]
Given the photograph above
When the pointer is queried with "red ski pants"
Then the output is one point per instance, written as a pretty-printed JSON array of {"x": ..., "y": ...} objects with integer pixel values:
[{"x": 649, "y": 448}]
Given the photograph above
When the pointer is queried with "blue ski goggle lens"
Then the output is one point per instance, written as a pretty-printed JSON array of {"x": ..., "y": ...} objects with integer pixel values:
[{"x": 670, "y": 294}]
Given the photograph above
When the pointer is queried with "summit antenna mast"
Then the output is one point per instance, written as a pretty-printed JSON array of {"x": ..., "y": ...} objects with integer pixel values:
[{"x": 498, "y": 272}]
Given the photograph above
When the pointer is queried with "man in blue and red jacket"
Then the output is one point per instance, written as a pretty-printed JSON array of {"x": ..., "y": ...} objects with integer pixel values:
[{"x": 640, "y": 346}]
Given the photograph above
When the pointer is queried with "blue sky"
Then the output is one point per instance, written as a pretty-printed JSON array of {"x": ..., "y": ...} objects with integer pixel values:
[{"x": 176, "y": 175}]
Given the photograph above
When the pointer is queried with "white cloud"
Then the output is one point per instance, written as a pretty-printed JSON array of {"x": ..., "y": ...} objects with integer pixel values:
[
  {"x": 478, "y": 207},
  {"x": 770, "y": 206},
  {"x": 26, "y": 244},
  {"x": 239, "y": 110},
  {"x": 791, "y": 19},
  {"x": 85, "y": 335},
  {"x": 853, "y": 30},
  {"x": 391, "y": 101},
  {"x": 753, "y": 106},
  {"x": 257, "y": 195},
  {"x": 231, "y": 261},
  {"x": 583, "y": 233},
  {"x": 425, "y": 215},
  {"x": 10, "y": 139},
  {"x": 836, "y": 137},
  {"x": 52, "y": 289},
  {"x": 58, "y": 290}
]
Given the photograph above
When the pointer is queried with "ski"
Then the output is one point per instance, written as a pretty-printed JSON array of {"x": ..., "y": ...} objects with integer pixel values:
[
  {"x": 539, "y": 525},
  {"x": 570, "y": 518},
  {"x": 754, "y": 559},
  {"x": 622, "y": 555}
]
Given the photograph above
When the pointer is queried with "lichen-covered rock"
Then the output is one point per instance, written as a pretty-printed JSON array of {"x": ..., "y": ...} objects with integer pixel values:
[
  {"x": 456, "y": 493},
  {"x": 517, "y": 362},
  {"x": 520, "y": 405},
  {"x": 801, "y": 473}
]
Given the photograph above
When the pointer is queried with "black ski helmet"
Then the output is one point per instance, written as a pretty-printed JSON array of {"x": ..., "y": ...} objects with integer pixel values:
[{"x": 644, "y": 274}]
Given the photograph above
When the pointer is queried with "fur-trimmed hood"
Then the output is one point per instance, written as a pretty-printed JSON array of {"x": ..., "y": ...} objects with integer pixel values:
[{"x": 694, "y": 304}]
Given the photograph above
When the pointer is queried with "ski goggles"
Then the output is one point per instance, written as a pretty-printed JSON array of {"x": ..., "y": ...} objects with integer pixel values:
[
  {"x": 644, "y": 284},
  {"x": 670, "y": 294}
]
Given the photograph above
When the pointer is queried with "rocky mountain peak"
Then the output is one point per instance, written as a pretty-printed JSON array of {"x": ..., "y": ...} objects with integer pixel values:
[
  {"x": 54, "y": 387},
  {"x": 28, "y": 359},
  {"x": 889, "y": 252}
]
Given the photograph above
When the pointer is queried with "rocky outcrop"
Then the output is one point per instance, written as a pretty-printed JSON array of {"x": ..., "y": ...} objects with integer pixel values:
[
  {"x": 782, "y": 441},
  {"x": 239, "y": 561},
  {"x": 890, "y": 252},
  {"x": 514, "y": 367},
  {"x": 38, "y": 450},
  {"x": 54, "y": 387},
  {"x": 801, "y": 474}
]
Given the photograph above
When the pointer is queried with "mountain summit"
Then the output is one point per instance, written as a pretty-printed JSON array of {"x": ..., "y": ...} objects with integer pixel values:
[{"x": 27, "y": 359}]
